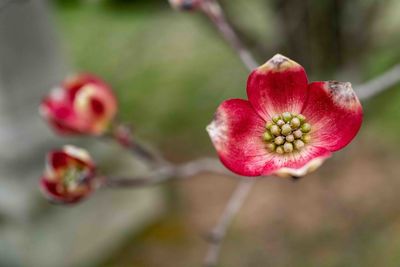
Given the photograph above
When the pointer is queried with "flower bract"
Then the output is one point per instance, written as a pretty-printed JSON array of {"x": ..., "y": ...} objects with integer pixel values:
[{"x": 288, "y": 126}]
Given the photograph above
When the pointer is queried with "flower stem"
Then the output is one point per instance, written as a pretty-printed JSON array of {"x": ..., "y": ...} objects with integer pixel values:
[
  {"x": 232, "y": 208},
  {"x": 147, "y": 154},
  {"x": 123, "y": 135},
  {"x": 169, "y": 172},
  {"x": 215, "y": 13}
]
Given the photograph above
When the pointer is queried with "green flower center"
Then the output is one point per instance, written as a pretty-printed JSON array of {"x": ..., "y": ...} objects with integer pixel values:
[
  {"x": 73, "y": 177},
  {"x": 286, "y": 133}
]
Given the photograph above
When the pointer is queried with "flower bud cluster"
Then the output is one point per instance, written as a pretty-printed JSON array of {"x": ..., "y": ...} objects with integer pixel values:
[{"x": 286, "y": 133}]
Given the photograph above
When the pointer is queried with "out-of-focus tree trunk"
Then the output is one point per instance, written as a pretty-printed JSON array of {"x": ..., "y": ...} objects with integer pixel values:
[{"x": 325, "y": 35}]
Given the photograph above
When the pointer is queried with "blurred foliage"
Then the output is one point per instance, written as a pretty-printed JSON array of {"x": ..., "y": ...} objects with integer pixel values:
[{"x": 169, "y": 71}]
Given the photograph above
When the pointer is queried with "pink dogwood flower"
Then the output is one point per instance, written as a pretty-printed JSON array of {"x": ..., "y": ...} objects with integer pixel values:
[
  {"x": 82, "y": 104},
  {"x": 287, "y": 127},
  {"x": 69, "y": 175}
]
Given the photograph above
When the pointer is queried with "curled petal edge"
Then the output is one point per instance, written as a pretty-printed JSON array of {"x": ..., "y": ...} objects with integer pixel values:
[
  {"x": 309, "y": 167},
  {"x": 78, "y": 153}
]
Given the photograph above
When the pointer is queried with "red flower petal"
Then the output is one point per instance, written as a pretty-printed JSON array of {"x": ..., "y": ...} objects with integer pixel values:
[
  {"x": 277, "y": 86},
  {"x": 57, "y": 194},
  {"x": 96, "y": 106},
  {"x": 334, "y": 112},
  {"x": 236, "y": 133},
  {"x": 58, "y": 160},
  {"x": 58, "y": 110}
]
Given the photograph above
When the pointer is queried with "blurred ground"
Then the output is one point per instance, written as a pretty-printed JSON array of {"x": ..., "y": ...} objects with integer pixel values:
[
  {"x": 170, "y": 72},
  {"x": 346, "y": 214}
]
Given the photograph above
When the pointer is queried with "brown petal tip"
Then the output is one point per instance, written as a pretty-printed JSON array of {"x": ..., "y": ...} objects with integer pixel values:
[{"x": 343, "y": 94}]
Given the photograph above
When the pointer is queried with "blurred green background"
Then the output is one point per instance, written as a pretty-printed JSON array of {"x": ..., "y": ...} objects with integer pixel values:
[{"x": 171, "y": 70}]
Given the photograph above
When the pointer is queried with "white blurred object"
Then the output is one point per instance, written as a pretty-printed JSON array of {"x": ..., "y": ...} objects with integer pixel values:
[{"x": 29, "y": 64}]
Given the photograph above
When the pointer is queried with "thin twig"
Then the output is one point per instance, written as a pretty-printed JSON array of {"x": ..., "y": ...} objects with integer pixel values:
[
  {"x": 219, "y": 232},
  {"x": 123, "y": 135},
  {"x": 168, "y": 172},
  {"x": 214, "y": 11},
  {"x": 150, "y": 155},
  {"x": 379, "y": 84}
]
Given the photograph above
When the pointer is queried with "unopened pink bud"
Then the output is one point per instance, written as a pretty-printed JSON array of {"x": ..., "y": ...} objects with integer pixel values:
[
  {"x": 81, "y": 104},
  {"x": 69, "y": 175}
]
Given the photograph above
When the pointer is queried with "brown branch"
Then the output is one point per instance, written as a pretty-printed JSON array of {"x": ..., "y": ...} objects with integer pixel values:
[
  {"x": 168, "y": 172},
  {"x": 150, "y": 155},
  {"x": 219, "y": 232},
  {"x": 123, "y": 135}
]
